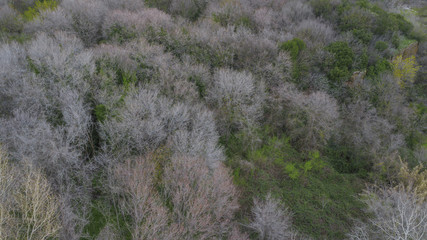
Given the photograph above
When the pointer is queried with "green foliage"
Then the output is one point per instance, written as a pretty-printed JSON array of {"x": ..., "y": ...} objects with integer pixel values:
[
  {"x": 343, "y": 54},
  {"x": 404, "y": 42},
  {"x": 380, "y": 66},
  {"x": 121, "y": 34},
  {"x": 342, "y": 62},
  {"x": 395, "y": 40},
  {"x": 351, "y": 20},
  {"x": 160, "y": 4},
  {"x": 226, "y": 18},
  {"x": 201, "y": 87},
  {"x": 364, "y": 35},
  {"x": 39, "y": 6},
  {"x": 101, "y": 112},
  {"x": 294, "y": 47},
  {"x": 292, "y": 171},
  {"x": 180, "y": 45},
  {"x": 321, "y": 199},
  {"x": 390, "y": 22},
  {"x": 405, "y": 70},
  {"x": 322, "y": 8},
  {"x": 381, "y": 46},
  {"x": 345, "y": 159},
  {"x": 363, "y": 3},
  {"x": 125, "y": 78}
]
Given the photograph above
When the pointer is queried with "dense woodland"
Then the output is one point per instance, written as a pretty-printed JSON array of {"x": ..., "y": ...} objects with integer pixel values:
[{"x": 213, "y": 119}]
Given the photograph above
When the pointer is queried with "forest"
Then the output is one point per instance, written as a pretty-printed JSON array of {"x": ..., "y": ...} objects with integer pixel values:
[{"x": 213, "y": 119}]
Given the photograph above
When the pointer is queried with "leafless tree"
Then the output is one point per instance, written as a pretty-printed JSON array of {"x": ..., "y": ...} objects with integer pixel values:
[
  {"x": 270, "y": 220},
  {"x": 50, "y": 22},
  {"x": 366, "y": 130},
  {"x": 135, "y": 179},
  {"x": 399, "y": 213},
  {"x": 204, "y": 200},
  {"x": 28, "y": 207},
  {"x": 87, "y": 17},
  {"x": 238, "y": 98},
  {"x": 312, "y": 118}
]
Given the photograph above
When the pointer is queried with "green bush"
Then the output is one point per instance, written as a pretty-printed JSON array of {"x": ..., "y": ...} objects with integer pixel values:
[
  {"x": 120, "y": 34},
  {"x": 321, "y": 199},
  {"x": 381, "y": 46},
  {"x": 342, "y": 62},
  {"x": 39, "y": 6},
  {"x": 355, "y": 19},
  {"x": 294, "y": 47},
  {"x": 101, "y": 112},
  {"x": 380, "y": 66},
  {"x": 345, "y": 159},
  {"x": 364, "y": 35},
  {"x": 322, "y": 8},
  {"x": 292, "y": 171},
  {"x": 201, "y": 87},
  {"x": 390, "y": 22}
]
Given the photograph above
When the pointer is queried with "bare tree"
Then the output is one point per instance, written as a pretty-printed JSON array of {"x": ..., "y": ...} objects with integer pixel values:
[
  {"x": 399, "y": 213},
  {"x": 135, "y": 180},
  {"x": 364, "y": 129},
  {"x": 204, "y": 200},
  {"x": 87, "y": 18},
  {"x": 311, "y": 118},
  {"x": 50, "y": 22},
  {"x": 28, "y": 207},
  {"x": 237, "y": 97},
  {"x": 270, "y": 220}
]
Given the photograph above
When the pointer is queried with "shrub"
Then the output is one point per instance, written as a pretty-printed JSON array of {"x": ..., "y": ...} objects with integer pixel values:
[
  {"x": 50, "y": 22},
  {"x": 271, "y": 220},
  {"x": 191, "y": 9},
  {"x": 322, "y": 8},
  {"x": 405, "y": 70},
  {"x": 381, "y": 46},
  {"x": 365, "y": 36},
  {"x": 294, "y": 47},
  {"x": 10, "y": 21},
  {"x": 21, "y": 5},
  {"x": 342, "y": 62},
  {"x": 380, "y": 66},
  {"x": 38, "y": 8},
  {"x": 356, "y": 18},
  {"x": 389, "y": 22}
]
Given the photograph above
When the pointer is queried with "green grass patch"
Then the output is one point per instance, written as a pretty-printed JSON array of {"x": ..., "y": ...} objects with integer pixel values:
[
  {"x": 405, "y": 42},
  {"x": 324, "y": 201}
]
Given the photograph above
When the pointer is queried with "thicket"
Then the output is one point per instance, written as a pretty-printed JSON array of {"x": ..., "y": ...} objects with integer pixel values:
[{"x": 225, "y": 119}]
